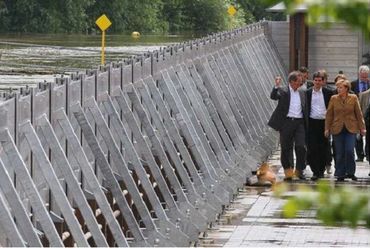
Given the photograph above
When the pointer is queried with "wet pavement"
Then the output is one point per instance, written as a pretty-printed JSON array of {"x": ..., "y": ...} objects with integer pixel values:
[{"x": 254, "y": 219}]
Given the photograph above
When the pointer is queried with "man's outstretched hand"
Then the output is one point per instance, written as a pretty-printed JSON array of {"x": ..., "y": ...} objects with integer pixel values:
[{"x": 277, "y": 81}]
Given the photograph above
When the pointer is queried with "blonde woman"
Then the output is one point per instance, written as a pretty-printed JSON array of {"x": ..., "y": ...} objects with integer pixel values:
[{"x": 343, "y": 120}]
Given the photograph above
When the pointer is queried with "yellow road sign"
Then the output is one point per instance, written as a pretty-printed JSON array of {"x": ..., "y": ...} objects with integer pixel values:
[
  {"x": 231, "y": 10},
  {"x": 103, "y": 22}
]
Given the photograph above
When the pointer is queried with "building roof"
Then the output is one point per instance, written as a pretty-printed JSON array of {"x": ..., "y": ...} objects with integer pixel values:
[{"x": 280, "y": 7}]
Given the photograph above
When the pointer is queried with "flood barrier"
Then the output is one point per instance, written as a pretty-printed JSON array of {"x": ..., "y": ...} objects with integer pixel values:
[{"x": 147, "y": 151}]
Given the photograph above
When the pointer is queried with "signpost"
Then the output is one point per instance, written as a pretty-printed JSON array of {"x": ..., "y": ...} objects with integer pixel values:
[{"x": 103, "y": 23}]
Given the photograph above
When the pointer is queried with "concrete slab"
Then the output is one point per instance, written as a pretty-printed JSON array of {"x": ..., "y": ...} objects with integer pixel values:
[{"x": 254, "y": 219}]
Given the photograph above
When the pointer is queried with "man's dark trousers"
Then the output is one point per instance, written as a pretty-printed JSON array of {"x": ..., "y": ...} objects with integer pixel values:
[
  {"x": 292, "y": 135},
  {"x": 317, "y": 146}
]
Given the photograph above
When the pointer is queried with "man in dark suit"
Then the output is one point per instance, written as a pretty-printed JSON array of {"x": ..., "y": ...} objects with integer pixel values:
[
  {"x": 360, "y": 85},
  {"x": 330, "y": 152},
  {"x": 317, "y": 144},
  {"x": 289, "y": 120},
  {"x": 305, "y": 82}
]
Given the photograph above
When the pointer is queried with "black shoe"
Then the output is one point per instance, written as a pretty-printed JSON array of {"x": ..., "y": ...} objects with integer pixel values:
[
  {"x": 302, "y": 177},
  {"x": 314, "y": 178},
  {"x": 340, "y": 179},
  {"x": 353, "y": 177},
  {"x": 360, "y": 160},
  {"x": 369, "y": 174}
]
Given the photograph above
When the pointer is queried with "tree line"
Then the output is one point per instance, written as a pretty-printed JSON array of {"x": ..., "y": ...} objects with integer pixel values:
[{"x": 168, "y": 16}]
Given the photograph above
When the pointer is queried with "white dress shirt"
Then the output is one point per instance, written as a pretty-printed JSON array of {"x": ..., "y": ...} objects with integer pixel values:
[
  {"x": 318, "y": 108},
  {"x": 295, "y": 107}
]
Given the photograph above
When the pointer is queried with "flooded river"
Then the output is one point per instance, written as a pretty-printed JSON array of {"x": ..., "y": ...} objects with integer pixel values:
[{"x": 29, "y": 59}]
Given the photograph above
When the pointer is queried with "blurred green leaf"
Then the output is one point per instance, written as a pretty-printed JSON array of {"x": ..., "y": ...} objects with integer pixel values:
[
  {"x": 335, "y": 206},
  {"x": 290, "y": 209},
  {"x": 279, "y": 189}
]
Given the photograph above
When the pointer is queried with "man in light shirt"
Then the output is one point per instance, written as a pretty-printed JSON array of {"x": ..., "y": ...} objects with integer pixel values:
[
  {"x": 364, "y": 99},
  {"x": 289, "y": 120},
  {"x": 357, "y": 86},
  {"x": 317, "y": 144}
]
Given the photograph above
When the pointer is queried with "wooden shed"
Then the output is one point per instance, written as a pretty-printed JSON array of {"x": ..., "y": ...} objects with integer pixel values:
[{"x": 338, "y": 48}]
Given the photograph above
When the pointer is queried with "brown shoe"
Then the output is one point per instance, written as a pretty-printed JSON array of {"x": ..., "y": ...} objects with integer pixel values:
[
  {"x": 288, "y": 179},
  {"x": 289, "y": 173},
  {"x": 299, "y": 174}
]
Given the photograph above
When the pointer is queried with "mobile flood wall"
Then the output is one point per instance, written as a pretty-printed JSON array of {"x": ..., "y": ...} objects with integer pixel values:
[{"x": 144, "y": 152}]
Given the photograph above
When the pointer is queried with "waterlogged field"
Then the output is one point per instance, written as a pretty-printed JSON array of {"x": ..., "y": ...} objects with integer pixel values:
[{"x": 29, "y": 59}]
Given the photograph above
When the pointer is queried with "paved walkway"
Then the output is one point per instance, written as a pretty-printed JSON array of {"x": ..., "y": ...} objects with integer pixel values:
[{"x": 254, "y": 219}]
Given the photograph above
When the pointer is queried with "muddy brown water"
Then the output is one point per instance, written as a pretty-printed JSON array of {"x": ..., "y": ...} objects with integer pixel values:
[{"x": 26, "y": 59}]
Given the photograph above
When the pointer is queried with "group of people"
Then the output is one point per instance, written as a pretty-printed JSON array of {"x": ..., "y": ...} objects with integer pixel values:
[{"x": 309, "y": 115}]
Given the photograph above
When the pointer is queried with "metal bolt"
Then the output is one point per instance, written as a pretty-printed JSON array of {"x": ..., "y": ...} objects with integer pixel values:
[
  {"x": 178, "y": 220},
  {"x": 188, "y": 213},
  {"x": 168, "y": 232},
  {"x": 156, "y": 242}
]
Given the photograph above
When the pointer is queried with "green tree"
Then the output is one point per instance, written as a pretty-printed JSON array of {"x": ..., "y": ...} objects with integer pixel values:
[
  {"x": 205, "y": 15},
  {"x": 173, "y": 13},
  {"x": 77, "y": 16},
  {"x": 145, "y": 16},
  {"x": 163, "y": 15},
  {"x": 24, "y": 15},
  {"x": 64, "y": 15},
  {"x": 241, "y": 17},
  {"x": 4, "y": 13},
  {"x": 45, "y": 15},
  {"x": 114, "y": 9},
  {"x": 257, "y": 11},
  {"x": 72, "y": 14}
]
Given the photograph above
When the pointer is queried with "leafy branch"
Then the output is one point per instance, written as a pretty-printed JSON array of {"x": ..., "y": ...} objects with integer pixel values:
[{"x": 334, "y": 206}]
